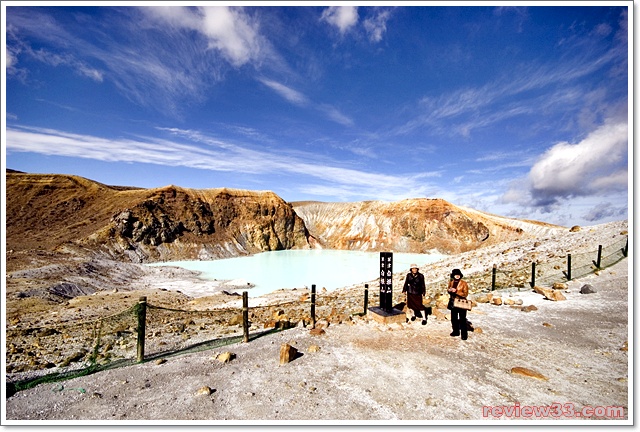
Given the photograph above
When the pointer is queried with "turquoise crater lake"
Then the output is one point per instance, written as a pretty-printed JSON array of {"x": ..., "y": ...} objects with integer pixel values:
[{"x": 330, "y": 269}]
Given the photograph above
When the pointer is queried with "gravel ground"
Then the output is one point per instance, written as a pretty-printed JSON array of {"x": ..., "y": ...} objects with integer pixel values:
[{"x": 367, "y": 373}]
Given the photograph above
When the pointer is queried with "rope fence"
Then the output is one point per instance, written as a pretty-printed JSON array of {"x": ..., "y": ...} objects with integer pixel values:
[{"x": 145, "y": 332}]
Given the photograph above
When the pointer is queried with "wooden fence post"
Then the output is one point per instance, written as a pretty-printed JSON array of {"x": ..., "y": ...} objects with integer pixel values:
[
  {"x": 533, "y": 275},
  {"x": 567, "y": 274},
  {"x": 245, "y": 316},
  {"x": 493, "y": 278},
  {"x": 597, "y": 263},
  {"x": 142, "y": 325},
  {"x": 313, "y": 306},
  {"x": 366, "y": 297}
]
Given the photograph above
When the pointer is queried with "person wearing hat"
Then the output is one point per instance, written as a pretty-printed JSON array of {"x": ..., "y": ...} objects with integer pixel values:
[
  {"x": 415, "y": 288},
  {"x": 458, "y": 288}
]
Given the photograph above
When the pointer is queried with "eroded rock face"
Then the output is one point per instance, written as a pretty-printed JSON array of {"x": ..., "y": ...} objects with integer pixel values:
[
  {"x": 180, "y": 223},
  {"x": 413, "y": 225},
  {"x": 144, "y": 225}
]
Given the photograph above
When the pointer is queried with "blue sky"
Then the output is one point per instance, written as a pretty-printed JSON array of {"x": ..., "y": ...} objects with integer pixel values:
[{"x": 519, "y": 111}]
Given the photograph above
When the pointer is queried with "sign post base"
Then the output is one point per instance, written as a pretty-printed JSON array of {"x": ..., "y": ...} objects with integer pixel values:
[{"x": 387, "y": 316}]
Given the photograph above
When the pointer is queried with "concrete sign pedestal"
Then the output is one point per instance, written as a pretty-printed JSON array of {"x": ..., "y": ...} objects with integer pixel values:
[{"x": 387, "y": 316}]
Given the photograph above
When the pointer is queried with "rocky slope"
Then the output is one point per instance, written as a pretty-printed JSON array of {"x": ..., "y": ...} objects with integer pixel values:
[
  {"x": 68, "y": 213},
  {"x": 412, "y": 225}
]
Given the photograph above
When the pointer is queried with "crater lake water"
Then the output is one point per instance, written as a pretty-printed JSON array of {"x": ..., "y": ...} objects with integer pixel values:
[{"x": 330, "y": 269}]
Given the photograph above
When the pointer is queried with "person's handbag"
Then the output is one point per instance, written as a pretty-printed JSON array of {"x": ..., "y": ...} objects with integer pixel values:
[
  {"x": 462, "y": 303},
  {"x": 450, "y": 303}
]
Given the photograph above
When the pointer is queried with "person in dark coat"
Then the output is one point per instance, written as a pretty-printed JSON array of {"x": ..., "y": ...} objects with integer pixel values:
[
  {"x": 458, "y": 288},
  {"x": 415, "y": 288}
]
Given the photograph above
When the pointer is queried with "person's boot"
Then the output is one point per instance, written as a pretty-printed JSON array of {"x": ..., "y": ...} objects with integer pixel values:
[
  {"x": 454, "y": 333},
  {"x": 464, "y": 335}
]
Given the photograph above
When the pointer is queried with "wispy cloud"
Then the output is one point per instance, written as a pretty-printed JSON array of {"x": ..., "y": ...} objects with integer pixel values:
[
  {"x": 334, "y": 114},
  {"x": 16, "y": 49},
  {"x": 207, "y": 153},
  {"x": 529, "y": 89},
  {"x": 376, "y": 25},
  {"x": 288, "y": 93},
  {"x": 299, "y": 99},
  {"x": 604, "y": 210},
  {"x": 150, "y": 55}
]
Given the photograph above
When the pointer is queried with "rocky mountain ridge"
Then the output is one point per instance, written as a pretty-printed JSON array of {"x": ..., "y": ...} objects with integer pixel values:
[
  {"x": 71, "y": 214},
  {"x": 412, "y": 225},
  {"x": 68, "y": 213}
]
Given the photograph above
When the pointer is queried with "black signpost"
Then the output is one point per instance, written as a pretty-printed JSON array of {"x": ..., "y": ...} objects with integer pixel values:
[
  {"x": 386, "y": 313},
  {"x": 386, "y": 280}
]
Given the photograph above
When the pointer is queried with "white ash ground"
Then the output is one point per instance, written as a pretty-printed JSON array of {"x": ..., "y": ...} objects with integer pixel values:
[{"x": 369, "y": 373}]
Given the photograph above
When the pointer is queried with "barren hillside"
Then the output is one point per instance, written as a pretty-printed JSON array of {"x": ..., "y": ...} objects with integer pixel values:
[
  {"x": 63, "y": 213},
  {"x": 412, "y": 225}
]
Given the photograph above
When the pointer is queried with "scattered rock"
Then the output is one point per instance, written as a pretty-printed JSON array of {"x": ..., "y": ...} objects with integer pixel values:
[
  {"x": 235, "y": 319},
  {"x": 204, "y": 391},
  {"x": 587, "y": 289},
  {"x": 560, "y": 286},
  {"x": 313, "y": 348},
  {"x": 484, "y": 298},
  {"x": 317, "y": 331},
  {"x": 549, "y": 293},
  {"x": 625, "y": 347},
  {"x": 225, "y": 357},
  {"x": 432, "y": 401},
  {"x": 546, "y": 324},
  {"x": 496, "y": 301},
  {"x": 529, "y": 308},
  {"x": 77, "y": 356},
  {"x": 575, "y": 228},
  {"x": 160, "y": 361},
  {"x": 528, "y": 373},
  {"x": 287, "y": 353},
  {"x": 439, "y": 315}
]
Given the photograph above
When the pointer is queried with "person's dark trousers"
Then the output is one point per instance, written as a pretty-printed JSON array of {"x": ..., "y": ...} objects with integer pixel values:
[{"x": 459, "y": 322}]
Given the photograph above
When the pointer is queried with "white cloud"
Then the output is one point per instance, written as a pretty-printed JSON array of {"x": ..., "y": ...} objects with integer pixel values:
[
  {"x": 335, "y": 115},
  {"x": 376, "y": 25},
  {"x": 288, "y": 93},
  {"x": 228, "y": 30},
  {"x": 11, "y": 59},
  {"x": 176, "y": 16},
  {"x": 594, "y": 167},
  {"x": 342, "y": 17},
  {"x": 591, "y": 166},
  {"x": 232, "y": 32}
]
